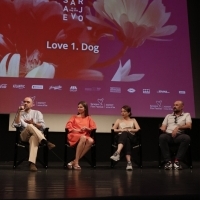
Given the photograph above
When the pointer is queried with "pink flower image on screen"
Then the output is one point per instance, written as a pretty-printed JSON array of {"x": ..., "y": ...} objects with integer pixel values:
[{"x": 132, "y": 52}]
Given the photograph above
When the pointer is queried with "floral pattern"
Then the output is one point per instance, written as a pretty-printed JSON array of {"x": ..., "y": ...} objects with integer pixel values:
[{"x": 27, "y": 25}]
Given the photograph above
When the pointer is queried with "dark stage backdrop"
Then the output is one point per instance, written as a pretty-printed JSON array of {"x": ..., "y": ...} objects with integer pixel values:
[{"x": 121, "y": 52}]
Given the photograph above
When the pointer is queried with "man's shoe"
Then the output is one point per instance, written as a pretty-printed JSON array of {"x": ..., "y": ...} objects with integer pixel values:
[
  {"x": 115, "y": 156},
  {"x": 32, "y": 167},
  {"x": 50, "y": 145},
  {"x": 129, "y": 166},
  {"x": 43, "y": 142},
  {"x": 168, "y": 165},
  {"x": 177, "y": 165}
]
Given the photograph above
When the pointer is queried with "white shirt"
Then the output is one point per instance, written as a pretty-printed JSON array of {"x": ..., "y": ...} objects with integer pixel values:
[
  {"x": 36, "y": 115},
  {"x": 172, "y": 121}
]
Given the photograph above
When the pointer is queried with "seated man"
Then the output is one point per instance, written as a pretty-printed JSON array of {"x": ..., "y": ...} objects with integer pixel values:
[
  {"x": 173, "y": 128},
  {"x": 32, "y": 124}
]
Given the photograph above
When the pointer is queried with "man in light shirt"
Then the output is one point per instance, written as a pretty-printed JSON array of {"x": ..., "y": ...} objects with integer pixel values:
[
  {"x": 173, "y": 128},
  {"x": 31, "y": 125}
]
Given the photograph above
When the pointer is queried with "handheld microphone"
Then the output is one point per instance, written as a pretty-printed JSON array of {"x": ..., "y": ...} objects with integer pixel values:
[{"x": 21, "y": 108}]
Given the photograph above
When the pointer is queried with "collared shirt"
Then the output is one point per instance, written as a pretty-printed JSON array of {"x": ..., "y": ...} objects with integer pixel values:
[
  {"x": 172, "y": 121},
  {"x": 32, "y": 114}
]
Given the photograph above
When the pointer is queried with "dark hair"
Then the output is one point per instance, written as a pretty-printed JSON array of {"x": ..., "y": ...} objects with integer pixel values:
[
  {"x": 127, "y": 109},
  {"x": 85, "y": 105}
]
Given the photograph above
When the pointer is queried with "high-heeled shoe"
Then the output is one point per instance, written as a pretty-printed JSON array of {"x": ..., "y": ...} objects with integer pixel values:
[
  {"x": 69, "y": 165},
  {"x": 76, "y": 167}
]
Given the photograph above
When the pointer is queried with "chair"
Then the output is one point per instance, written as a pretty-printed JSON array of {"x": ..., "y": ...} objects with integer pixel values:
[
  {"x": 173, "y": 150},
  {"x": 137, "y": 146},
  {"x": 25, "y": 146},
  {"x": 91, "y": 161}
]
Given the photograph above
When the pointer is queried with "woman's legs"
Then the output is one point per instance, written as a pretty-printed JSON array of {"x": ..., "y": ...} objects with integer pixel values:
[
  {"x": 121, "y": 143},
  {"x": 128, "y": 158},
  {"x": 128, "y": 147},
  {"x": 88, "y": 145},
  {"x": 119, "y": 147},
  {"x": 128, "y": 152},
  {"x": 82, "y": 148}
]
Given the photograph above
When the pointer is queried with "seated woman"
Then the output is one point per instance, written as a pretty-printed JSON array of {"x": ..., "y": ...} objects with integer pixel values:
[
  {"x": 126, "y": 128},
  {"x": 79, "y": 127}
]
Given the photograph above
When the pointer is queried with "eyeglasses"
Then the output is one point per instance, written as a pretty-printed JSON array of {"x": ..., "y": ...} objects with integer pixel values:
[{"x": 175, "y": 120}]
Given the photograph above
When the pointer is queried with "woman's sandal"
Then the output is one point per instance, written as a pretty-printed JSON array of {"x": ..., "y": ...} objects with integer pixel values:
[
  {"x": 76, "y": 167},
  {"x": 69, "y": 165}
]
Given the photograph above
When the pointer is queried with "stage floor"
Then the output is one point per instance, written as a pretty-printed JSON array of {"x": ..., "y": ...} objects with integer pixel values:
[{"x": 101, "y": 183}]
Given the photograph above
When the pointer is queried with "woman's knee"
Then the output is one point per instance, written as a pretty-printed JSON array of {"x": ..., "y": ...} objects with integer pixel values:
[
  {"x": 83, "y": 138},
  {"x": 90, "y": 141}
]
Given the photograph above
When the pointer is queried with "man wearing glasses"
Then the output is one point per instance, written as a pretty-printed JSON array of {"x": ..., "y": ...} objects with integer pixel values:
[
  {"x": 32, "y": 124},
  {"x": 173, "y": 128}
]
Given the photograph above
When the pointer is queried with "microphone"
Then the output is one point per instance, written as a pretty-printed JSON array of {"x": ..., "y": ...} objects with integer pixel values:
[{"x": 21, "y": 108}]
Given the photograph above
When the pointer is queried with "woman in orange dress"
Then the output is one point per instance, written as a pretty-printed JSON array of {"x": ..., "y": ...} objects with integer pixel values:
[{"x": 79, "y": 127}]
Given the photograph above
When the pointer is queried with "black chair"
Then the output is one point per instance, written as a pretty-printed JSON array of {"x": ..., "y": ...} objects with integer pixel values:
[
  {"x": 91, "y": 161},
  {"x": 173, "y": 150},
  {"x": 137, "y": 146},
  {"x": 25, "y": 145}
]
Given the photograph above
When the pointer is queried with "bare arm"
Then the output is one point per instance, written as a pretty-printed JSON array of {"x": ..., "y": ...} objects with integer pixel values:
[
  {"x": 187, "y": 125},
  {"x": 116, "y": 127},
  {"x": 163, "y": 128},
  {"x": 18, "y": 117},
  {"x": 175, "y": 131},
  {"x": 136, "y": 127}
]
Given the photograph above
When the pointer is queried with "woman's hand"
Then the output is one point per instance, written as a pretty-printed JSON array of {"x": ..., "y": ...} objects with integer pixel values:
[{"x": 85, "y": 128}]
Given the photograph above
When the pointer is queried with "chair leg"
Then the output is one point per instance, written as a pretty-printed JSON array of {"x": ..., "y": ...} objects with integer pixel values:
[
  {"x": 15, "y": 156},
  {"x": 159, "y": 156},
  {"x": 140, "y": 152},
  {"x": 45, "y": 156},
  {"x": 112, "y": 162},
  {"x": 93, "y": 156},
  {"x": 138, "y": 161},
  {"x": 16, "y": 162},
  {"x": 65, "y": 158},
  {"x": 190, "y": 156}
]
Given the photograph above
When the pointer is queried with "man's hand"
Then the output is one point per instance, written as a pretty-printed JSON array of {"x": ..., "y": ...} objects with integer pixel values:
[
  {"x": 29, "y": 121},
  {"x": 21, "y": 109},
  {"x": 162, "y": 128},
  {"x": 174, "y": 132}
]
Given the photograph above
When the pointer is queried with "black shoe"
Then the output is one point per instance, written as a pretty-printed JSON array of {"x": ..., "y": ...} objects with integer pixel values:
[
  {"x": 177, "y": 165},
  {"x": 168, "y": 165},
  {"x": 50, "y": 145},
  {"x": 32, "y": 167},
  {"x": 43, "y": 142}
]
